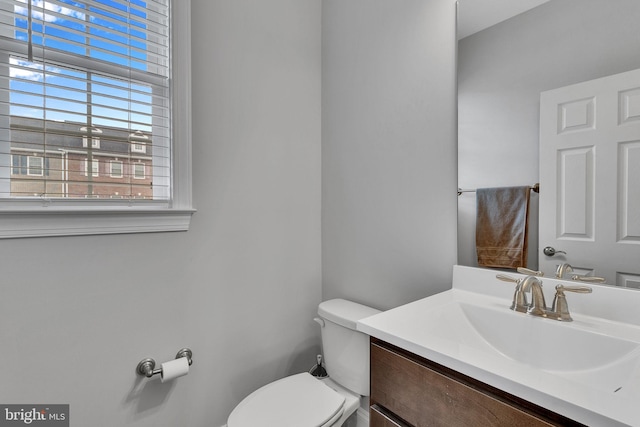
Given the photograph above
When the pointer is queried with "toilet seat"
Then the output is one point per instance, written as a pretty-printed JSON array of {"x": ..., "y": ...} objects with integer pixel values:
[{"x": 296, "y": 401}]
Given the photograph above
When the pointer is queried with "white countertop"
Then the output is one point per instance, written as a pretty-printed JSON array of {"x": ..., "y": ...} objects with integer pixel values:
[{"x": 594, "y": 397}]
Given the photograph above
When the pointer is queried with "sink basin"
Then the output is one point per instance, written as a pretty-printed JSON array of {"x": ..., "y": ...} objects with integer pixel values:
[
  {"x": 546, "y": 344},
  {"x": 587, "y": 370},
  {"x": 487, "y": 331}
]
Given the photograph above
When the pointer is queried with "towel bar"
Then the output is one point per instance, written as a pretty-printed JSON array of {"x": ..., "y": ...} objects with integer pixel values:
[{"x": 535, "y": 187}]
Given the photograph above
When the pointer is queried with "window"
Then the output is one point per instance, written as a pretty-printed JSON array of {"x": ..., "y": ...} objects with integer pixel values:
[
  {"x": 92, "y": 134},
  {"x": 29, "y": 165},
  {"x": 115, "y": 167},
  {"x": 113, "y": 72},
  {"x": 35, "y": 166},
  {"x": 139, "y": 142},
  {"x": 19, "y": 164},
  {"x": 138, "y": 171},
  {"x": 95, "y": 169},
  {"x": 138, "y": 148}
]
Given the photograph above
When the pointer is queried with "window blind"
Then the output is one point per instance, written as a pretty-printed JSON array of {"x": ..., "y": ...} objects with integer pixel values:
[{"x": 85, "y": 85}]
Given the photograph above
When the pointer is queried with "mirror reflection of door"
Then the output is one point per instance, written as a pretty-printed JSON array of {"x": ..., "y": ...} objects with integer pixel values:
[{"x": 590, "y": 178}]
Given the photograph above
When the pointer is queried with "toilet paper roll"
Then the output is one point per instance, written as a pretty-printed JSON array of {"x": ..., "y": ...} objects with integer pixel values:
[{"x": 174, "y": 369}]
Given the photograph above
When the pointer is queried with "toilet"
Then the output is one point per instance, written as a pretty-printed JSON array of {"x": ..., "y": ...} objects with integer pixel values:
[{"x": 302, "y": 400}]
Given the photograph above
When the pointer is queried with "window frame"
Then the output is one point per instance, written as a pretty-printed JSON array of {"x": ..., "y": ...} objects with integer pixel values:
[
  {"x": 95, "y": 167},
  {"x": 20, "y": 168},
  {"x": 134, "y": 171},
  {"x": 138, "y": 142},
  {"x": 111, "y": 172},
  {"x": 50, "y": 217},
  {"x": 138, "y": 147},
  {"x": 95, "y": 140},
  {"x": 31, "y": 168}
]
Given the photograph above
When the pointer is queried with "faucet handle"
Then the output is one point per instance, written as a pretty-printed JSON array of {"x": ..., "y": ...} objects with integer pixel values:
[
  {"x": 519, "y": 302},
  {"x": 506, "y": 278},
  {"x": 589, "y": 279},
  {"x": 524, "y": 270},
  {"x": 577, "y": 289},
  {"x": 560, "y": 307}
]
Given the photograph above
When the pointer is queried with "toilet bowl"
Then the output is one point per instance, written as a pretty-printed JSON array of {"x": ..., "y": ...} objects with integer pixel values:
[
  {"x": 302, "y": 400},
  {"x": 296, "y": 401}
]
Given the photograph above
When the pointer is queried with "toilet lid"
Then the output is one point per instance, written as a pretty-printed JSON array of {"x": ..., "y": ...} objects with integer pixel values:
[{"x": 296, "y": 401}]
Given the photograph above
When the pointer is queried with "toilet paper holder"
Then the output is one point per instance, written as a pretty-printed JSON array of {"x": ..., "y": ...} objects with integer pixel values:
[{"x": 147, "y": 367}]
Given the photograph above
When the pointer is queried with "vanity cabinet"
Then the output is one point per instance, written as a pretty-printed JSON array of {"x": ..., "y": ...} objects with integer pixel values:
[{"x": 410, "y": 391}]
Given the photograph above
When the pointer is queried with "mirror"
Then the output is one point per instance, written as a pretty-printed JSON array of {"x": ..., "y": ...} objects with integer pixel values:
[{"x": 501, "y": 72}]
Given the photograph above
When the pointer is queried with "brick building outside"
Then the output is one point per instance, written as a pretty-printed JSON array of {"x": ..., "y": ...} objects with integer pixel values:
[{"x": 70, "y": 160}]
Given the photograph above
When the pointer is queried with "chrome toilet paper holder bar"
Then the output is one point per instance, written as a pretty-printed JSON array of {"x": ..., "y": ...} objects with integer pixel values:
[{"x": 147, "y": 367}]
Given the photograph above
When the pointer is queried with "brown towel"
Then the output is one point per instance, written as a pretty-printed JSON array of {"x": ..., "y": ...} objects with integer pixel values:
[{"x": 501, "y": 226}]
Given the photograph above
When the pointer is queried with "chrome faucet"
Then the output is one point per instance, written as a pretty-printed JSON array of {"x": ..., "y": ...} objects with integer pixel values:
[
  {"x": 530, "y": 284},
  {"x": 563, "y": 268},
  {"x": 538, "y": 306},
  {"x": 566, "y": 268}
]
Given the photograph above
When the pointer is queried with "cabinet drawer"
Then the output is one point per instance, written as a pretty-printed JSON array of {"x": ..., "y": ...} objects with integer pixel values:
[
  {"x": 378, "y": 419},
  {"x": 416, "y": 393}
]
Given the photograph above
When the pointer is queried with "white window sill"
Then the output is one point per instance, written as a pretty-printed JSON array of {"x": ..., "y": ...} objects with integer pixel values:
[
  {"x": 64, "y": 222},
  {"x": 44, "y": 217}
]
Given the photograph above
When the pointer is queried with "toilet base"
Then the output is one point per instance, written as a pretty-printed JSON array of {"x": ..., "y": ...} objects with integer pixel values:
[{"x": 362, "y": 417}]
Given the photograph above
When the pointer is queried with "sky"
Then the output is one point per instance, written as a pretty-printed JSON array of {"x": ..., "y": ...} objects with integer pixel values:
[{"x": 109, "y": 31}]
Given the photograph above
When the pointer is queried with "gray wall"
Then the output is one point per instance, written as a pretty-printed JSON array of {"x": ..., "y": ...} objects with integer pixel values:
[
  {"x": 502, "y": 71},
  {"x": 388, "y": 149},
  {"x": 240, "y": 288}
]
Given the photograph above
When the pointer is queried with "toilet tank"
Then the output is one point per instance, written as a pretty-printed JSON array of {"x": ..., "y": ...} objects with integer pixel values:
[{"x": 346, "y": 351}]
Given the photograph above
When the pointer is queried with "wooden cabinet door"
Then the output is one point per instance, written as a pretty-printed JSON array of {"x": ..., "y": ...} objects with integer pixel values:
[
  {"x": 421, "y": 396},
  {"x": 378, "y": 419}
]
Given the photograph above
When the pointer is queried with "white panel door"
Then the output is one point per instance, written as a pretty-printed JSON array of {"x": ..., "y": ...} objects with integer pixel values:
[{"x": 590, "y": 178}]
